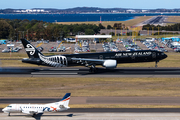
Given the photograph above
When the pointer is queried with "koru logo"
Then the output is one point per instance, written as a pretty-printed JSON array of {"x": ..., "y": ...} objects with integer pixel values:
[{"x": 30, "y": 49}]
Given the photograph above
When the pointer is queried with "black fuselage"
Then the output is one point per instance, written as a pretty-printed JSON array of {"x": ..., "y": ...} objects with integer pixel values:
[{"x": 120, "y": 57}]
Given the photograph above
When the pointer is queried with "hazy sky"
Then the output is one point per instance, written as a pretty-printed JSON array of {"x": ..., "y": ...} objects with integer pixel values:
[{"x": 63, "y": 4}]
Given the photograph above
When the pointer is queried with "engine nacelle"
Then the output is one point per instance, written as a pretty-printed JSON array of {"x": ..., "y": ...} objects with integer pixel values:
[{"x": 110, "y": 63}]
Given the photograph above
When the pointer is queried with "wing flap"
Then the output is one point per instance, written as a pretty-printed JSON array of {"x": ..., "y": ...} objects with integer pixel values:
[
  {"x": 87, "y": 60},
  {"x": 29, "y": 111}
]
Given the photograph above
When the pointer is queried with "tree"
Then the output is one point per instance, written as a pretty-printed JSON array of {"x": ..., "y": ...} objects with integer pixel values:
[
  {"x": 109, "y": 27},
  {"x": 118, "y": 25},
  {"x": 111, "y": 33},
  {"x": 5, "y": 29},
  {"x": 89, "y": 32},
  {"x": 101, "y": 26}
]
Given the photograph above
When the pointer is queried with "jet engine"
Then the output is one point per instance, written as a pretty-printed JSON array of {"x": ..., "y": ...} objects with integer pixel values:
[{"x": 110, "y": 63}]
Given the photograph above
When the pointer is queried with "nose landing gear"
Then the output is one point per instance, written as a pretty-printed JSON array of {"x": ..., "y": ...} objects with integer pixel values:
[{"x": 156, "y": 64}]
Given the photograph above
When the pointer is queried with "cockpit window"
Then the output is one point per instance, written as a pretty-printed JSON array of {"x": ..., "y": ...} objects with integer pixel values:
[
  {"x": 162, "y": 53},
  {"x": 9, "y": 106}
]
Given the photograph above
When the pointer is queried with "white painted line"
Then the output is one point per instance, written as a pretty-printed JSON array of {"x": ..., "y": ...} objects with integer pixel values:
[
  {"x": 54, "y": 73},
  {"x": 58, "y": 69},
  {"x": 64, "y": 69}
]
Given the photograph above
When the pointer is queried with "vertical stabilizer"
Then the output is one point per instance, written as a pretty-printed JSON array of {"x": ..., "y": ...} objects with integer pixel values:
[
  {"x": 30, "y": 49},
  {"x": 66, "y": 99}
]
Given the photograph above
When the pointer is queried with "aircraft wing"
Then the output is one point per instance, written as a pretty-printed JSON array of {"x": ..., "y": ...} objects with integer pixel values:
[
  {"x": 31, "y": 111},
  {"x": 88, "y": 61}
]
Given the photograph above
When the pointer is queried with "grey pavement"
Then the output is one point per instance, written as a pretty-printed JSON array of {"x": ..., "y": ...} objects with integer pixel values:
[{"x": 94, "y": 116}]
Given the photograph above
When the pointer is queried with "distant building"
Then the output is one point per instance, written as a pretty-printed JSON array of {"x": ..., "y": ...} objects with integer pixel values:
[
  {"x": 130, "y": 11},
  {"x": 144, "y": 10}
]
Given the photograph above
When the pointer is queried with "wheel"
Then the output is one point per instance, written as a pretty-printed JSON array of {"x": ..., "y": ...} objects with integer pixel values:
[
  {"x": 34, "y": 115},
  {"x": 92, "y": 69}
]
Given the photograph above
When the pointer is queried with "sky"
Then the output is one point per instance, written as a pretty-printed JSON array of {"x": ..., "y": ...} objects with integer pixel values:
[{"x": 63, "y": 4}]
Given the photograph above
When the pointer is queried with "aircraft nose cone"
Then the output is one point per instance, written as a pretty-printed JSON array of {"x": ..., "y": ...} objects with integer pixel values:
[
  {"x": 165, "y": 56},
  {"x": 3, "y": 109}
]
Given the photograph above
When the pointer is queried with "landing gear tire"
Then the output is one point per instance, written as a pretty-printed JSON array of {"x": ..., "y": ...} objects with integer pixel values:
[
  {"x": 156, "y": 64},
  {"x": 92, "y": 69},
  {"x": 34, "y": 115}
]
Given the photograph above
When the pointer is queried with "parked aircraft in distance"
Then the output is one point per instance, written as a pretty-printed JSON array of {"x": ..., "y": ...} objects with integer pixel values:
[
  {"x": 106, "y": 59},
  {"x": 34, "y": 109}
]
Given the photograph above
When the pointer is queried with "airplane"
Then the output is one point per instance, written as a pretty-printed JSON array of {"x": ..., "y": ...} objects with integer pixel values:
[
  {"x": 34, "y": 109},
  {"x": 105, "y": 59}
]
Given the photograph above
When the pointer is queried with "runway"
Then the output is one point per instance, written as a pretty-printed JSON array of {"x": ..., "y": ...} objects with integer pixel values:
[
  {"x": 84, "y": 72},
  {"x": 93, "y": 116},
  {"x": 98, "y": 100},
  {"x": 105, "y": 100}
]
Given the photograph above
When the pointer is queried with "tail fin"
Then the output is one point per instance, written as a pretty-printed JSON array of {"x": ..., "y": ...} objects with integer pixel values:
[
  {"x": 30, "y": 49},
  {"x": 66, "y": 99}
]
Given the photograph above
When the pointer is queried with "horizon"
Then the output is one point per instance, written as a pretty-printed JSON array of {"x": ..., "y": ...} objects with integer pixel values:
[
  {"x": 90, "y": 7},
  {"x": 56, "y": 4}
]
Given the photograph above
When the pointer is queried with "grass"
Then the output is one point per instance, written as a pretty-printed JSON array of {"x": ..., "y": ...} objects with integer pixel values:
[
  {"x": 55, "y": 87},
  {"x": 175, "y": 19},
  {"x": 113, "y": 106},
  {"x": 171, "y": 61},
  {"x": 105, "y": 23}
]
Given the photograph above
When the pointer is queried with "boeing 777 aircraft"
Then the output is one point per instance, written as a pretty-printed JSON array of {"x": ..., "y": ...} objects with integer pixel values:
[
  {"x": 106, "y": 59},
  {"x": 33, "y": 109}
]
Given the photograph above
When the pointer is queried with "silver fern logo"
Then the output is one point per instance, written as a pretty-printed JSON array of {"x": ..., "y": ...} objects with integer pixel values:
[
  {"x": 55, "y": 61},
  {"x": 30, "y": 49}
]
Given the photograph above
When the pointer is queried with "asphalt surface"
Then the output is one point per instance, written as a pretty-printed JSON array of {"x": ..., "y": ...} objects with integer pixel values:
[
  {"x": 105, "y": 100},
  {"x": 121, "y": 110},
  {"x": 93, "y": 116},
  {"x": 98, "y": 100},
  {"x": 85, "y": 71},
  {"x": 157, "y": 20}
]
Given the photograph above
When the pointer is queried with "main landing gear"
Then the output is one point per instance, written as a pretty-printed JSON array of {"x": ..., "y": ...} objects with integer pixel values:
[
  {"x": 156, "y": 64},
  {"x": 9, "y": 114},
  {"x": 34, "y": 115},
  {"x": 92, "y": 69}
]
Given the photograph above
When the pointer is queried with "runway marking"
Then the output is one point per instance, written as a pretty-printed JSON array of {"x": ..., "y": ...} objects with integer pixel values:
[
  {"x": 64, "y": 69},
  {"x": 54, "y": 73},
  {"x": 58, "y": 69}
]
